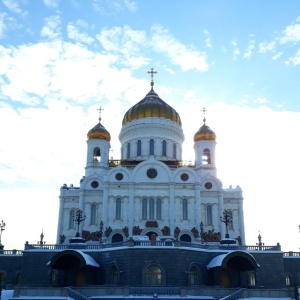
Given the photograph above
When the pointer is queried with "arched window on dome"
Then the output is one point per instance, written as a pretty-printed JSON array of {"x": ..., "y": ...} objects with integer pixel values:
[
  {"x": 139, "y": 148},
  {"x": 164, "y": 148},
  {"x": 151, "y": 147},
  {"x": 208, "y": 215},
  {"x": 93, "y": 214},
  {"x": 206, "y": 158},
  {"x": 174, "y": 151},
  {"x": 96, "y": 155},
  {"x": 184, "y": 209},
  {"x": 71, "y": 219},
  {"x": 118, "y": 208},
  {"x": 128, "y": 150}
]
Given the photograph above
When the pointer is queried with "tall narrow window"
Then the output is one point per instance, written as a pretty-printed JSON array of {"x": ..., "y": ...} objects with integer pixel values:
[
  {"x": 153, "y": 275},
  {"x": 252, "y": 279},
  {"x": 184, "y": 209},
  {"x": 139, "y": 148},
  {"x": 144, "y": 209},
  {"x": 113, "y": 275},
  {"x": 71, "y": 219},
  {"x": 158, "y": 209},
  {"x": 151, "y": 209},
  {"x": 128, "y": 150},
  {"x": 209, "y": 215},
  {"x": 287, "y": 280},
  {"x": 174, "y": 151},
  {"x": 96, "y": 155},
  {"x": 118, "y": 209},
  {"x": 164, "y": 148},
  {"x": 206, "y": 158},
  {"x": 193, "y": 276},
  {"x": 151, "y": 147},
  {"x": 93, "y": 214}
]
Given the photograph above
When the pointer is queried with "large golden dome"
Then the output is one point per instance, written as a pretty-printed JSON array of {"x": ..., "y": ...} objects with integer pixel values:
[
  {"x": 204, "y": 133},
  {"x": 151, "y": 106},
  {"x": 98, "y": 132}
]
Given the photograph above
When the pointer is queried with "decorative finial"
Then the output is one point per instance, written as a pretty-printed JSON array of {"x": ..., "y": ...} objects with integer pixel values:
[
  {"x": 100, "y": 110},
  {"x": 204, "y": 110},
  {"x": 152, "y": 73}
]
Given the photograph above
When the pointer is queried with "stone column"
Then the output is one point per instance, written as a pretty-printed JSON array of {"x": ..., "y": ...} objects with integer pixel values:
[
  {"x": 172, "y": 208},
  {"x": 81, "y": 207},
  {"x": 60, "y": 219},
  {"x": 197, "y": 208},
  {"x": 131, "y": 209},
  {"x": 220, "y": 212},
  {"x": 105, "y": 215},
  {"x": 241, "y": 221}
]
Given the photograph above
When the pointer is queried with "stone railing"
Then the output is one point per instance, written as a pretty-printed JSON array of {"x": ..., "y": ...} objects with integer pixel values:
[{"x": 137, "y": 243}]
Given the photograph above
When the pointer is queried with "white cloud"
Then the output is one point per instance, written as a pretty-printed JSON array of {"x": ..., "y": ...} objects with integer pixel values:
[
  {"x": 236, "y": 50},
  {"x": 188, "y": 58},
  {"x": 295, "y": 60},
  {"x": 7, "y": 24},
  {"x": 261, "y": 100},
  {"x": 265, "y": 47},
  {"x": 249, "y": 49},
  {"x": 208, "y": 42},
  {"x": 75, "y": 34},
  {"x": 131, "y": 5},
  {"x": 52, "y": 3},
  {"x": 291, "y": 34},
  {"x": 277, "y": 55},
  {"x": 13, "y": 6},
  {"x": 51, "y": 29}
]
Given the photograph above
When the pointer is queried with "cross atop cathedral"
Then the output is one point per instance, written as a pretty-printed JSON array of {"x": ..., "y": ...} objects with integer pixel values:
[
  {"x": 152, "y": 73},
  {"x": 100, "y": 110},
  {"x": 204, "y": 110}
]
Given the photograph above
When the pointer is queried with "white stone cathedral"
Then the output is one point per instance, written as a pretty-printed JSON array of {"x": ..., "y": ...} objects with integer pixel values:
[{"x": 150, "y": 191}]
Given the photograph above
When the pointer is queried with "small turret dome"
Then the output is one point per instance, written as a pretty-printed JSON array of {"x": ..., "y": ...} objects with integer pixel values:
[
  {"x": 204, "y": 133},
  {"x": 99, "y": 132},
  {"x": 151, "y": 106}
]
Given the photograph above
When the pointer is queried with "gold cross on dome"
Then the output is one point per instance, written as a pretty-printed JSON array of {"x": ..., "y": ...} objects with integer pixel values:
[
  {"x": 152, "y": 73},
  {"x": 100, "y": 110}
]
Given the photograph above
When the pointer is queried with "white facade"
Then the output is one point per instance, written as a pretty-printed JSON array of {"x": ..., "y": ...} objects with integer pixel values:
[{"x": 150, "y": 190}]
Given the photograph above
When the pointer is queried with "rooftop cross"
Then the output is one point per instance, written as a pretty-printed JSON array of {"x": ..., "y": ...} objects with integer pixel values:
[
  {"x": 100, "y": 110},
  {"x": 204, "y": 110},
  {"x": 152, "y": 73}
]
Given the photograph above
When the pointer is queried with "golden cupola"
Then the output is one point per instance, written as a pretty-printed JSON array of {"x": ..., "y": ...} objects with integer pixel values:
[
  {"x": 204, "y": 133},
  {"x": 99, "y": 132},
  {"x": 152, "y": 106}
]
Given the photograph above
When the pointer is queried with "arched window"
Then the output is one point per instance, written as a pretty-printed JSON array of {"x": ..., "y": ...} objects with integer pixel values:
[
  {"x": 174, "y": 151},
  {"x": 287, "y": 279},
  {"x": 252, "y": 279},
  {"x": 184, "y": 209},
  {"x": 206, "y": 159},
  {"x": 144, "y": 209},
  {"x": 118, "y": 209},
  {"x": 153, "y": 275},
  {"x": 139, "y": 148},
  {"x": 128, "y": 150},
  {"x": 209, "y": 215},
  {"x": 151, "y": 209},
  {"x": 158, "y": 209},
  {"x": 114, "y": 275},
  {"x": 93, "y": 214},
  {"x": 96, "y": 155},
  {"x": 164, "y": 148},
  {"x": 71, "y": 219},
  {"x": 193, "y": 275},
  {"x": 151, "y": 147}
]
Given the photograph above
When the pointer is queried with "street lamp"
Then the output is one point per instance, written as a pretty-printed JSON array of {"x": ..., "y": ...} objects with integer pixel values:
[
  {"x": 101, "y": 231},
  {"x": 78, "y": 219},
  {"x": 2, "y": 227}
]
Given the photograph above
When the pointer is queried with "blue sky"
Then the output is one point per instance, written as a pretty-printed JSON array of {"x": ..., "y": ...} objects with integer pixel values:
[{"x": 61, "y": 59}]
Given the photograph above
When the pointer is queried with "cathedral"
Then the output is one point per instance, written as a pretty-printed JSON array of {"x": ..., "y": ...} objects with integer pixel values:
[{"x": 150, "y": 192}]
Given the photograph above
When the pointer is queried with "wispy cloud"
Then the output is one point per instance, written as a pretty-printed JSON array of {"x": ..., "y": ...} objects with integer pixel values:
[
  {"x": 266, "y": 47},
  {"x": 75, "y": 34},
  {"x": 52, "y": 27},
  {"x": 249, "y": 49},
  {"x": 208, "y": 41},
  {"x": 14, "y": 7},
  {"x": 291, "y": 34},
  {"x": 52, "y": 3}
]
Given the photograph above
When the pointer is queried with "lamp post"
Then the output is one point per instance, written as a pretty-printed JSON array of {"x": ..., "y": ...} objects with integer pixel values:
[
  {"x": 78, "y": 219},
  {"x": 259, "y": 244},
  {"x": 2, "y": 227},
  {"x": 226, "y": 219},
  {"x": 101, "y": 231},
  {"x": 41, "y": 242},
  {"x": 201, "y": 231}
]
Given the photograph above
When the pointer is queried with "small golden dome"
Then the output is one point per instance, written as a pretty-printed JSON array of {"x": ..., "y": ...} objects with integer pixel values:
[
  {"x": 151, "y": 106},
  {"x": 204, "y": 133},
  {"x": 98, "y": 132}
]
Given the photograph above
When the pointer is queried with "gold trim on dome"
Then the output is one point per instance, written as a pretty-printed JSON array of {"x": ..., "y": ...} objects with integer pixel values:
[
  {"x": 99, "y": 135},
  {"x": 204, "y": 136}
]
